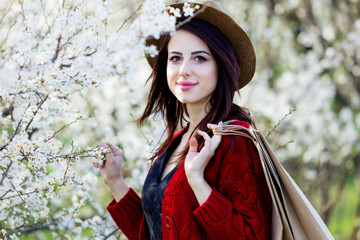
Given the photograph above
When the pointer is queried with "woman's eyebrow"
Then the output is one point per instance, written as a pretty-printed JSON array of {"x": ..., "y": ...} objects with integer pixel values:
[
  {"x": 200, "y": 51},
  {"x": 175, "y": 52},
  {"x": 193, "y": 53}
]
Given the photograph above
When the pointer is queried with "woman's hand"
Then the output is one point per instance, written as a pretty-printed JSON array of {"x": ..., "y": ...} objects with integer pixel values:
[
  {"x": 195, "y": 162},
  {"x": 111, "y": 171}
]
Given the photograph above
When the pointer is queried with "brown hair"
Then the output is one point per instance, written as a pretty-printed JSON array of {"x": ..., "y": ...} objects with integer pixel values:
[{"x": 162, "y": 101}]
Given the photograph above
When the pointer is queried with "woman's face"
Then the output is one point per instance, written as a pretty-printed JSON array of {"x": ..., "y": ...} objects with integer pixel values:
[{"x": 192, "y": 71}]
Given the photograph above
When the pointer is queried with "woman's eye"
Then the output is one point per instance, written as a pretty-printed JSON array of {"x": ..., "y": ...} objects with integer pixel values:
[
  {"x": 174, "y": 59},
  {"x": 200, "y": 59}
]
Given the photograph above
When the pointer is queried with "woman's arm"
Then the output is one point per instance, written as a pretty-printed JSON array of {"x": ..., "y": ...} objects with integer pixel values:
[
  {"x": 125, "y": 209},
  {"x": 128, "y": 215},
  {"x": 111, "y": 171}
]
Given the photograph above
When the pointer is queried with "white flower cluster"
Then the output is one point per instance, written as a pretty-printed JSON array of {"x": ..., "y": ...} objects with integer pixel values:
[
  {"x": 188, "y": 10},
  {"x": 98, "y": 154},
  {"x": 321, "y": 134},
  {"x": 48, "y": 54}
]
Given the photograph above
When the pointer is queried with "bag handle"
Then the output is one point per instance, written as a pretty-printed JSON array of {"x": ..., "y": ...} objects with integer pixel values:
[{"x": 228, "y": 129}]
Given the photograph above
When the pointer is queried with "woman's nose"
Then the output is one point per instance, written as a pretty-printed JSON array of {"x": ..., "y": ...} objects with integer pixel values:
[{"x": 185, "y": 69}]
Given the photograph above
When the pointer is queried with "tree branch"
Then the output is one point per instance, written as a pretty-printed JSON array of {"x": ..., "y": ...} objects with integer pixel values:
[
  {"x": 12, "y": 137},
  {"x": 110, "y": 234},
  {"x": 58, "y": 49},
  {"x": 7, "y": 170},
  {"x": 127, "y": 19},
  {"x": 281, "y": 120},
  {"x": 62, "y": 128},
  {"x": 37, "y": 110}
]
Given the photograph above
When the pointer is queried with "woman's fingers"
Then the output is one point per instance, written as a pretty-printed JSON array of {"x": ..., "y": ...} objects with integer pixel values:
[
  {"x": 204, "y": 135},
  {"x": 112, "y": 151},
  {"x": 216, "y": 139},
  {"x": 95, "y": 164},
  {"x": 98, "y": 165},
  {"x": 116, "y": 151},
  {"x": 102, "y": 165},
  {"x": 112, "y": 154},
  {"x": 103, "y": 144},
  {"x": 193, "y": 145},
  {"x": 211, "y": 143},
  {"x": 213, "y": 126}
]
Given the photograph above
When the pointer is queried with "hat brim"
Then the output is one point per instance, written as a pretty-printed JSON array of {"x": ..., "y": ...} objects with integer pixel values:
[{"x": 238, "y": 38}]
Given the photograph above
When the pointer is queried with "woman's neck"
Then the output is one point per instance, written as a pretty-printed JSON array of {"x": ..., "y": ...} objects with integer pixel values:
[{"x": 196, "y": 114}]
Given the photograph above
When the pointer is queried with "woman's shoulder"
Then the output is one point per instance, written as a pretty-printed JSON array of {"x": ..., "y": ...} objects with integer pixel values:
[
  {"x": 235, "y": 153},
  {"x": 230, "y": 142}
]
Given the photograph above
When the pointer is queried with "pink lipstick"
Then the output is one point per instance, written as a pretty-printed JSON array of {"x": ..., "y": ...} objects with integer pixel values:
[{"x": 186, "y": 85}]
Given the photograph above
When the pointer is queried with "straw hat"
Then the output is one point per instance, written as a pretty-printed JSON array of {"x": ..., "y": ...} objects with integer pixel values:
[{"x": 240, "y": 41}]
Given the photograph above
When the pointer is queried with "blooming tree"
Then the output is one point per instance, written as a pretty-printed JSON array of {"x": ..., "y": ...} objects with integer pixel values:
[{"x": 50, "y": 52}]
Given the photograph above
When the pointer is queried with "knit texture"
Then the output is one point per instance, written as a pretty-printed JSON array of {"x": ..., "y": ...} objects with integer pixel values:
[{"x": 239, "y": 206}]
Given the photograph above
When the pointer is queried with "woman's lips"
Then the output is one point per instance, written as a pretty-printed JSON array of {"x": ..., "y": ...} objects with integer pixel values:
[{"x": 186, "y": 85}]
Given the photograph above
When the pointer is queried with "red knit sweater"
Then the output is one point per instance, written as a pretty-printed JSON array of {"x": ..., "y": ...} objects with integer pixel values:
[{"x": 239, "y": 206}]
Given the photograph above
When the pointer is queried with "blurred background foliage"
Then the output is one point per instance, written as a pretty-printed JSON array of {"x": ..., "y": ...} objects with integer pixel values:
[{"x": 308, "y": 56}]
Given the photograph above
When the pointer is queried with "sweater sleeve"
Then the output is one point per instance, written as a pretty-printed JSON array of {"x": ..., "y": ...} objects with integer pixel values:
[
  {"x": 128, "y": 214},
  {"x": 239, "y": 206}
]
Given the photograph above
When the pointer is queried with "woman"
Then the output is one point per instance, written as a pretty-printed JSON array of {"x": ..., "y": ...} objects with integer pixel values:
[{"x": 200, "y": 186}]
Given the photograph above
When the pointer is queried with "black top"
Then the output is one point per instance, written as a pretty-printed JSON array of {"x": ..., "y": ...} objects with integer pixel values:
[{"x": 154, "y": 188}]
